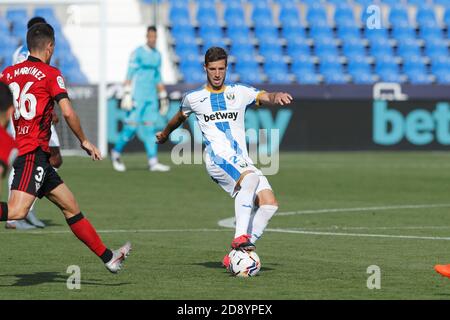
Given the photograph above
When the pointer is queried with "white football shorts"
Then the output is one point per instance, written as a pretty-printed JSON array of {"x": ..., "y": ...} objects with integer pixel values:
[{"x": 226, "y": 172}]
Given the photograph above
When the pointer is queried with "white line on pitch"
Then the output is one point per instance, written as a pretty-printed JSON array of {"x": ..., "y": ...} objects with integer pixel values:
[
  {"x": 357, "y": 234},
  {"x": 120, "y": 231},
  {"x": 379, "y": 208}
]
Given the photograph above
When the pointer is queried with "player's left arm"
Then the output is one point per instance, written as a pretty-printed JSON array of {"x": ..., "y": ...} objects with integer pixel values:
[
  {"x": 162, "y": 93},
  {"x": 73, "y": 121},
  {"x": 274, "y": 98}
]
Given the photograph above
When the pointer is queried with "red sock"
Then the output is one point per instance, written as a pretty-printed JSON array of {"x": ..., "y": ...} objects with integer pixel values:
[{"x": 84, "y": 231}]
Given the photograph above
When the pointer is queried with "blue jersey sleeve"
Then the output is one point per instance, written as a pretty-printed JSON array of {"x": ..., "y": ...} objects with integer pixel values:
[{"x": 133, "y": 64}]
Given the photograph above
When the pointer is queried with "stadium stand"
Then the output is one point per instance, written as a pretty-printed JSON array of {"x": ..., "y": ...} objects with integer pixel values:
[
  {"x": 13, "y": 29},
  {"x": 314, "y": 42}
]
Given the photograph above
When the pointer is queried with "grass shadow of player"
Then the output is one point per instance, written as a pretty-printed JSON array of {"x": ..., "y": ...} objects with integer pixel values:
[
  {"x": 218, "y": 265},
  {"x": 37, "y": 278}
]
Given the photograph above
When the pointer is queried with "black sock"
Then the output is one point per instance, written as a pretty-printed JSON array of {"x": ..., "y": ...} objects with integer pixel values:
[
  {"x": 3, "y": 211},
  {"x": 106, "y": 256}
]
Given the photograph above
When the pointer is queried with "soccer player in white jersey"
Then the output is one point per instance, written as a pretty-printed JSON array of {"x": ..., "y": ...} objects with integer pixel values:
[
  {"x": 220, "y": 111},
  {"x": 32, "y": 222}
]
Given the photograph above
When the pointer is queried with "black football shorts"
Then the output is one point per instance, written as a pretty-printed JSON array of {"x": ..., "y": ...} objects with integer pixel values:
[{"x": 33, "y": 174}]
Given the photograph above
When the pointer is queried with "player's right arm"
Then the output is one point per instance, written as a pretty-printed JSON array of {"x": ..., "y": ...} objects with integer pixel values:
[
  {"x": 174, "y": 123},
  {"x": 133, "y": 65},
  {"x": 73, "y": 121}
]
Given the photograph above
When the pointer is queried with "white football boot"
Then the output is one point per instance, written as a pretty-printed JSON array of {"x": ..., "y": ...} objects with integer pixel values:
[
  {"x": 118, "y": 165},
  {"x": 159, "y": 167},
  {"x": 115, "y": 264}
]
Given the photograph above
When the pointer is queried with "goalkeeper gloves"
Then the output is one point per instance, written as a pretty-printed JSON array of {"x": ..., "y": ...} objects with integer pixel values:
[
  {"x": 163, "y": 103},
  {"x": 127, "y": 100}
]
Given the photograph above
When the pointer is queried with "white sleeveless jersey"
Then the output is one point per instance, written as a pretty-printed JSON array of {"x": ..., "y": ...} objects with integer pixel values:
[{"x": 221, "y": 117}]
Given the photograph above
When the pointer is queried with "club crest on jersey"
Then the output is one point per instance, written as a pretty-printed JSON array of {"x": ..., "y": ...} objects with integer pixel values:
[
  {"x": 243, "y": 164},
  {"x": 60, "y": 81},
  {"x": 221, "y": 116},
  {"x": 230, "y": 96}
]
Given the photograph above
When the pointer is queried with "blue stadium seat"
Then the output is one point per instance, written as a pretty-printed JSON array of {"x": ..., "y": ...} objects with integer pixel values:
[
  {"x": 177, "y": 14},
  {"x": 289, "y": 15},
  {"x": 269, "y": 50},
  {"x": 183, "y": 33},
  {"x": 408, "y": 48},
  {"x": 210, "y": 32},
  {"x": 425, "y": 15},
  {"x": 316, "y": 14},
  {"x": 207, "y": 16},
  {"x": 430, "y": 31},
  {"x": 233, "y": 14},
  {"x": 206, "y": 4},
  {"x": 325, "y": 47},
  {"x": 445, "y": 3},
  {"x": 380, "y": 49},
  {"x": 348, "y": 30},
  {"x": 441, "y": 69},
  {"x": 436, "y": 48},
  {"x": 353, "y": 48},
  {"x": 447, "y": 17},
  {"x": 343, "y": 15},
  {"x": 4, "y": 28},
  {"x": 19, "y": 28},
  {"x": 243, "y": 52},
  {"x": 250, "y": 74},
  {"x": 320, "y": 31},
  {"x": 303, "y": 64},
  {"x": 261, "y": 14},
  {"x": 376, "y": 34},
  {"x": 17, "y": 15},
  {"x": 416, "y": 71},
  {"x": 277, "y": 72},
  {"x": 291, "y": 32},
  {"x": 194, "y": 75},
  {"x": 360, "y": 71},
  {"x": 403, "y": 31},
  {"x": 266, "y": 31},
  {"x": 310, "y": 78},
  {"x": 299, "y": 47},
  {"x": 259, "y": 3},
  {"x": 398, "y": 14},
  {"x": 388, "y": 70}
]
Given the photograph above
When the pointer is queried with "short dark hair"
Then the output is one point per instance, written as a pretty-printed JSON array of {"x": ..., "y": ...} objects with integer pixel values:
[
  {"x": 34, "y": 21},
  {"x": 151, "y": 28},
  {"x": 39, "y": 35},
  {"x": 6, "y": 98},
  {"x": 216, "y": 54}
]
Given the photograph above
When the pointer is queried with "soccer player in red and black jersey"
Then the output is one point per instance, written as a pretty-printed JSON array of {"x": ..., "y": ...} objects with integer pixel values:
[
  {"x": 36, "y": 86},
  {"x": 8, "y": 148}
]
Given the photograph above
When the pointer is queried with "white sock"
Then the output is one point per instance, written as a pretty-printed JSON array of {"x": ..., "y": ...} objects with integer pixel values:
[
  {"x": 152, "y": 161},
  {"x": 260, "y": 220},
  {"x": 243, "y": 203}
]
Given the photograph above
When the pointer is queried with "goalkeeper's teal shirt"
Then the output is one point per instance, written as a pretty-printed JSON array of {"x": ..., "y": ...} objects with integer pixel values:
[{"x": 144, "y": 70}]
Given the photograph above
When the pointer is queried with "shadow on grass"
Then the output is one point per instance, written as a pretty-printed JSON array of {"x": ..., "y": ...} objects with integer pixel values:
[
  {"x": 37, "y": 278},
  {"x": 218, "y": 265}
]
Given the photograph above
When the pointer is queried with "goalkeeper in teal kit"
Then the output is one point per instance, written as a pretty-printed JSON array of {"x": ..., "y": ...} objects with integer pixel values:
[{"x": 145, "y": 98}]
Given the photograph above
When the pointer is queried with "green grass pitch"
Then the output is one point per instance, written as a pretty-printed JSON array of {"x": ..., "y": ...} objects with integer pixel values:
[{"x": 317, "y": 247}]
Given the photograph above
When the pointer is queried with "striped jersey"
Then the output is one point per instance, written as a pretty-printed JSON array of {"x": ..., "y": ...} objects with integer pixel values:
[{"x": 221, "y": 117}]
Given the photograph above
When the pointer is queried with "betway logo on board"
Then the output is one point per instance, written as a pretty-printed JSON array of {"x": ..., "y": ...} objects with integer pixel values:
[
  {"x": 221, "y": 116},
  {"x": 419, "y": 127}
]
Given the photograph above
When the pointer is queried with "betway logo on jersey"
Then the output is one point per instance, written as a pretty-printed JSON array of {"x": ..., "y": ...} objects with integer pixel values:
[{"x": 221, "y": 116}]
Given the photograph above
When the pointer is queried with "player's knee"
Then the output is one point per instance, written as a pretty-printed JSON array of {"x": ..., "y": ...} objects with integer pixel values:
[{"x": 250, "y": 181}]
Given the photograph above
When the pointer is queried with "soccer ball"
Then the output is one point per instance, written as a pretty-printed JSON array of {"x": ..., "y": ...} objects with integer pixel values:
[{"x": 244, "y": 263}]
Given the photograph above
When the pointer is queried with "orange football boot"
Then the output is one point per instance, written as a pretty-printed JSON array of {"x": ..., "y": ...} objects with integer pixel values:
[{"x": 443, "y": 269}]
